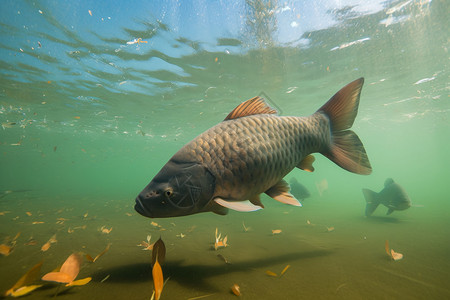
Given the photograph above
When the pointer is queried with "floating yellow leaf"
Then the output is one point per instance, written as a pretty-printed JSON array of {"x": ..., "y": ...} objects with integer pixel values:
[
  {"x": 158, "y": 279},
  {"x": 68, "y": 271},
  {"x": 270, "y": 273},
  {"x": 45, "y": 247},
  {"x": 5, "y": 250},
  {"x": 276, "y": 231},
  {"x": 22, "y": 291},
  {"x": 79, "y": 282},
  {"x": 26, "y": 279}
]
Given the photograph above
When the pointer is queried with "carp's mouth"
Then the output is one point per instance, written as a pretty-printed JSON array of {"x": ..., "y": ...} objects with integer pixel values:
[{"x": 141, "y": 209}]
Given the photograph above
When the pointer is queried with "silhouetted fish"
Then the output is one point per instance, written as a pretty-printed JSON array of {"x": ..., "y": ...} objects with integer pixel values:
[
  {"x": 249, "y": 153},
  {"x": 393, "y": 196},
  {"x": 298, "y": 190}
]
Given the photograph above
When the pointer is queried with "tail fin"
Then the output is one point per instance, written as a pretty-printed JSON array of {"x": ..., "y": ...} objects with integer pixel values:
[
  {"x": 371, "y": 201},
  {"x": 346, "y": 150}
]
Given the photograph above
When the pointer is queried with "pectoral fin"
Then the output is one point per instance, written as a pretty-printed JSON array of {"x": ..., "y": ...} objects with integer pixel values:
[
  {"x": 306, "y": 163},
  {"x": 256, "y": 200},
  {"x": 280, "y": 192},
  {"x": 390, "y": 211},
  {"x": 238, "y": 205},
  {"x": 216, "y": 208}
]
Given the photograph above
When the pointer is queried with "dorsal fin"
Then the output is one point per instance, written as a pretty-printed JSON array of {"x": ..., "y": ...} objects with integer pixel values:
[{"x": 254, "y": 106}]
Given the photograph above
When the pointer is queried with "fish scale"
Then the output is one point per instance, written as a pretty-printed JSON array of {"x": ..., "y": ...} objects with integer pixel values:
[
  {"x": 249, "y": 153},
  {"x": 261, "y": 144}
]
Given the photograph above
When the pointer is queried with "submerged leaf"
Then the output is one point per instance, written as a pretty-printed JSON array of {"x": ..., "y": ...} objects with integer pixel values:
[
  {"x": 27, "y": 278},
  {"x": 392, "y": 254},
  {"x": 72, "y": 266},
  {"x": 88, "y": 257},
  {"x": 285, "y": 269},
  {"x": 270, "y": 273},
  {"x": 80, "y": 282},
  {"x": 386, "y": 247},
  {"x": 5, "y": 250},
  {"x": 158, "y": 279},
  {"x": 159, "y": 252},
  {"x": 395, "y": 255},
  {"x": 59, "y": 277},
  {"x": 22, "y": 291},
  {"x": 236, "y": 289},
  {"x": 68, "y": 271}
]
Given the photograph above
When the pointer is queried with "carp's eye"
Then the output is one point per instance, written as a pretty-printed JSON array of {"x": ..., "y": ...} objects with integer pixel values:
[{"x": 168, "y": 192}]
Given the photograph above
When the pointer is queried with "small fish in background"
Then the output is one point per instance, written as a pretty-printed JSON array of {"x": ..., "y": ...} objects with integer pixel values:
[
  {"x": 393, "y": 196},
  {"x": 298, "y": 190},
  {"x": 276, "y": 231},
  {"x": 322, "y": 186}
]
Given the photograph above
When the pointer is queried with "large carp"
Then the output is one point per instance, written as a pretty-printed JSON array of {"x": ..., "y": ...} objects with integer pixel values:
[{"x": 231, "y": 164}]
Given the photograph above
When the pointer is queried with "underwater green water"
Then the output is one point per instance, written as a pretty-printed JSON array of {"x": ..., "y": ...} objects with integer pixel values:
[{"x": 88, "y": 119}]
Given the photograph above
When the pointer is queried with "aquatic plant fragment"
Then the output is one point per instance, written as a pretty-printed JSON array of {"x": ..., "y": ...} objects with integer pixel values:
[
  {"x": 285, "y": 269},
  {"x": 219, "y": 243},
  {"x": 391, "y": 253},
  {"x": 89, "y": 258},
  {"x": 146, "y": 244},
  {"x": 5, "y": 249},
  {"x": 236, "y": 289}
]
